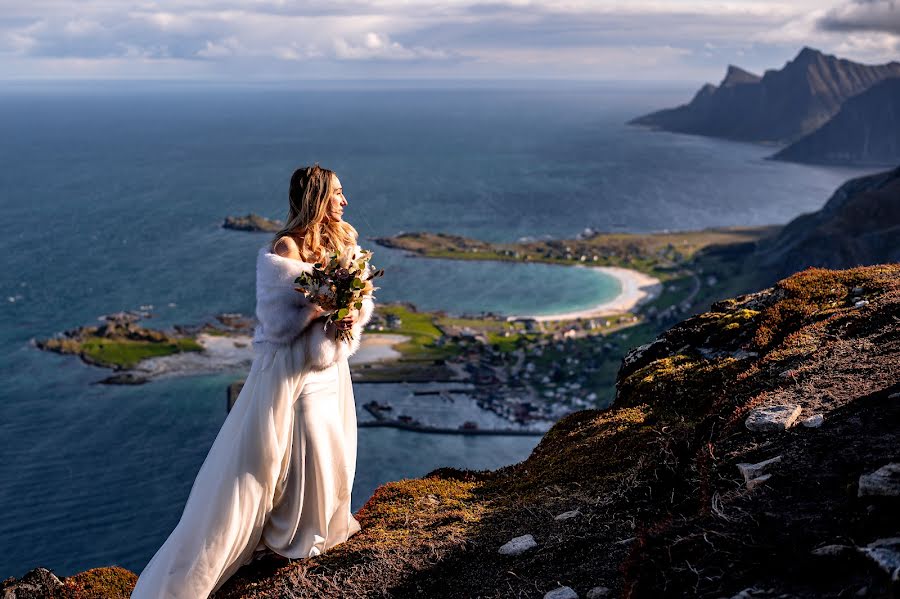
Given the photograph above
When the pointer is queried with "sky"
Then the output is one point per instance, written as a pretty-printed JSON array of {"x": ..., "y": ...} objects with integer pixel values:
[{"x": 250, "y": 40}]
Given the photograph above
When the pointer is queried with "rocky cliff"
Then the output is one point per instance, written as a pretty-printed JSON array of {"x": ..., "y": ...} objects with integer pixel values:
[
  {"x": 752, "y": 451},
  {"x": 781, "y": 106},
  {"x": 859, "y": 225},
  {"x": 865, "y": 131}
]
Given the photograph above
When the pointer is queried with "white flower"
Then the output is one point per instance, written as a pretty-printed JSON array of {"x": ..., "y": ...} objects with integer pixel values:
[{"x": 347, "y": 257}]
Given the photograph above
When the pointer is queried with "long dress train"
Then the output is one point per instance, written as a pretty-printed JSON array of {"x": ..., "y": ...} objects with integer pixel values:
[{"x": 280, "y": 471}]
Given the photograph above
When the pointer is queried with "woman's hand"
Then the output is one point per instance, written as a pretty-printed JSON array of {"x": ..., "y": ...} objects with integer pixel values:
[{"x": 348, "y": 321}]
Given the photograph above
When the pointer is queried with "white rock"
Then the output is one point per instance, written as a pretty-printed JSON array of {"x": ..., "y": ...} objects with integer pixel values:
[
  {"x": 833, "y": 550},
  {"x": 758, "y": 480},
  {"x": 814, "y": 421},
  {"x": 517, "y": 545},
  {"x": 567, "y": 515},
  {"x": 773, "y": 418},
  {"x": 894, "y": 395},
  {"x": 887, "y": 559},
  {"x": 888, "y": 542},
  {"x": 755, "y": 473},
  {"x": 597, "y": 592},
  {"x": 562, "y": 593},
  {"x": 861, "y": 303},
  {"x": 884, "y": 481}
]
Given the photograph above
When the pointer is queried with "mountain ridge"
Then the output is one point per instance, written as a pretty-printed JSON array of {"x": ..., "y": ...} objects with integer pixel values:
[
  {"x": 780, "y": 107},
  {"x": 865, "y": 131},
  {"x": 858, "y": 225}
]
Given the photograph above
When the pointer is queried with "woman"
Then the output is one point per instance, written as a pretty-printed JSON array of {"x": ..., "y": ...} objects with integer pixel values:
[{"x": 279, "y": 474}]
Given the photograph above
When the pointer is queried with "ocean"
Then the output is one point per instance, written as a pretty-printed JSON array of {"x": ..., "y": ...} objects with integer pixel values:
[{"x": 112, "y": 198}]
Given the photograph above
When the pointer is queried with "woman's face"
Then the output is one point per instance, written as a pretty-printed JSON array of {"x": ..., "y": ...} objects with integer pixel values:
[{"x": 337, "y": 202}]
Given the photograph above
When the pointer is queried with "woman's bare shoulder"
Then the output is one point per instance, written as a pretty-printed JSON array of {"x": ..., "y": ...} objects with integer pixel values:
[{"x": 287, "y": 247}]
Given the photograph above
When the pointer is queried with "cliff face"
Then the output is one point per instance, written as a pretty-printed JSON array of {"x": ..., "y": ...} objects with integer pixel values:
[
  {"x": 781, "y": 106},
  {"x": 860, "y": 224},
  {"x": 865, "y": 131},
  {"x": 670, "y": 493}
]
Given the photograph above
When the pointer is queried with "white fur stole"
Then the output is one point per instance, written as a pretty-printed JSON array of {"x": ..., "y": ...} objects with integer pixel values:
[{"x": 286, "y": 316}]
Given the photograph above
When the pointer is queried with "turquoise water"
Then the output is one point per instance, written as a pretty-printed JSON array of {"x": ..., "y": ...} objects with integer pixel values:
[{"x": 112, "y": 198}]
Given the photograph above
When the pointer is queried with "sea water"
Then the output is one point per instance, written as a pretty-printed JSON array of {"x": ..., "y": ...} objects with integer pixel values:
[{"x": 112, "y": 198}]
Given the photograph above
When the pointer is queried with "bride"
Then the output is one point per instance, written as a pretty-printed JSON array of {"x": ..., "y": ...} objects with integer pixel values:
[{"x": 279, "y": 474}]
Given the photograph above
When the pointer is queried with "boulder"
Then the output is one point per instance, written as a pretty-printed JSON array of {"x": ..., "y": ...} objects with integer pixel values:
[
  {"x": 814, "y": 421},
  {"x": 517, "y": 545},
  {"x": 567, "y": 515},
  {"x": 885, "y": 482},
  {"x": 561, "y": 593},
  {"x": 773, "y": 418},
  {"x": 36, "y": 584}
]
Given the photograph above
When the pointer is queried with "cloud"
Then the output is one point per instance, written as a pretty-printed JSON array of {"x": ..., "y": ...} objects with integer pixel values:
[
  {"x": 864, "y": 15},
  {"x": 376, "y": 46},
  {"x": 442, "y": 38}
]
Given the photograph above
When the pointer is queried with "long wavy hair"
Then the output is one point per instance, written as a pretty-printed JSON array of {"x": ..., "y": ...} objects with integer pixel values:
[{"x": 311, "y": 191}]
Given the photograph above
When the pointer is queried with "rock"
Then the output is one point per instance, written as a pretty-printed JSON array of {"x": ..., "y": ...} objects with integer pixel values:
[
  {"x": 252, "y": 222},
  {"x": 124, "y": 378},
  {"x": 885, "y": 482},
  {"x": 754, "y": 473},
  {"x": 888, "y": 542},
  {"x": 430, "y": 499},
  {"x": 567, "y": 515},
  {"x": 597, "y": 592},
  {"x": 758, "y": 480},
  {"x": 862, "y": 591},
  {"x": 773, "y": 418},
  {"x": 861, "y": 303},
  {"x": 886, "y": 559},
  {"x": 814, "y": 421},
  {"x": 751, "y": 471},
  {"x": 833, "y": 551},
  {"x": 36, "y": 584},
  {"x": 562, "y": 593},
  {"x": 894, "y": 395},
  {"x": 517, "y": 545}
]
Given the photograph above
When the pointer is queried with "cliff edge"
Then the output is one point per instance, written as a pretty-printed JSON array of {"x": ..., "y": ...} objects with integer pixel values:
[{"x": 751, "y": 449}]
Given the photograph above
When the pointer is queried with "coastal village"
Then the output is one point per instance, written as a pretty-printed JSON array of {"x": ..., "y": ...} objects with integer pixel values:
[{"x": 531, "y": 371}]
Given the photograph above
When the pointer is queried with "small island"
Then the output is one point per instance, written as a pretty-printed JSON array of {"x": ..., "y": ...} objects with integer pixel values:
[
  {"x": 252, "y": 222},
  {"x": 137, "y": 353}
]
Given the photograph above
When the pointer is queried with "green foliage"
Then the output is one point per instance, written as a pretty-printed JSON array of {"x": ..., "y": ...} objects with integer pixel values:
[{"x": 126, "y": 353}]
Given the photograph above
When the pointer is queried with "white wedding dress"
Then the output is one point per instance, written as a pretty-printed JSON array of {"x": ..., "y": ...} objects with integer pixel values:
[{"x": 280, "y": 471}]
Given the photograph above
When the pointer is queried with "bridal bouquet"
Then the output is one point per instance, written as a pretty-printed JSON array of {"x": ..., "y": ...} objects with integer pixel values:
[{"x": 341, "y": 284}]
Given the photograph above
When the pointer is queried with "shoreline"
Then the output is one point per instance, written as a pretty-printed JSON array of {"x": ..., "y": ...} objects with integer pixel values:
[
  {"x": 227, "y": 352},
  {"x": 377, "y": 347},
  {"x": 637, "y": 288},
  {"x": 447, "y": 431}
]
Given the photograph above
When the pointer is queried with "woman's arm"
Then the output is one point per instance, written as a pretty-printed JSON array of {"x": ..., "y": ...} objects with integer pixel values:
[{"x": 323, "y": 349}]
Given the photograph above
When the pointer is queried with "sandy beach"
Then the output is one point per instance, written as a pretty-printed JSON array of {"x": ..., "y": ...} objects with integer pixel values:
[
  {"x": 235, "y": 352},
  {"x": 637, "y": 288},
  {"x": 377, "y": 347}
]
